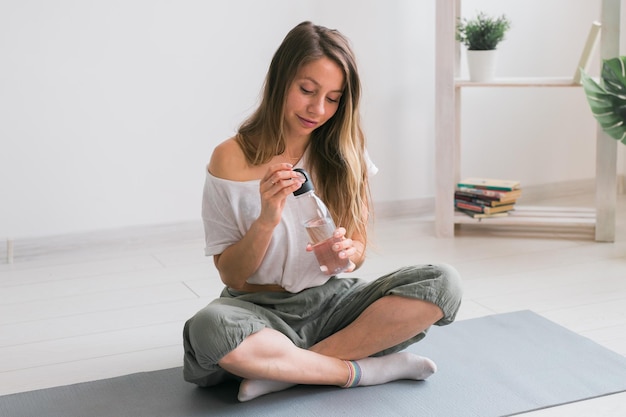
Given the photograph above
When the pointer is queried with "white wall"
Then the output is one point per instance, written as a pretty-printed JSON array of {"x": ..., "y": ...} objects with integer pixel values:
[{"x": 110, "y": 109}]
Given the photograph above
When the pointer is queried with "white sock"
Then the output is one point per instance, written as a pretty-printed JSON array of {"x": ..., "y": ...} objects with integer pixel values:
[
  {"x": 383, "y": 369},
  {"x": 367, "y": 371},
  {"x": 252, "y": 388}
]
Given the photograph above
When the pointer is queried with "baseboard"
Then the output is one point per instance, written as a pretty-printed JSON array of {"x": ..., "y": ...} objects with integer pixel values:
[
  {"x": 420, "y": 207},
  {"x": 90, "y": 243}
]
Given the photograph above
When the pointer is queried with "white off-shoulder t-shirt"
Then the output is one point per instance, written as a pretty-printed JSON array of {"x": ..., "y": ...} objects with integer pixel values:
[{"x": 228, "y": 210}]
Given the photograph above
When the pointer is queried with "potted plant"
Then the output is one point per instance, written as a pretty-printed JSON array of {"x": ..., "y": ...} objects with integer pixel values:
[
  {"x": 608, "y": 99},
  {"x": 481, "y": 35}
]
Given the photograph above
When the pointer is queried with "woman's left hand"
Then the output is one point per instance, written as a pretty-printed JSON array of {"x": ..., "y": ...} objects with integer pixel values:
[{"x": 343, "y": 246}]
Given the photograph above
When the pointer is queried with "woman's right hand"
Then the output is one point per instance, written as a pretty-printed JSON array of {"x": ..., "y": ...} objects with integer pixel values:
[
  {"x": 239, "y": 261},
  {"x": 278, "y": 182}
]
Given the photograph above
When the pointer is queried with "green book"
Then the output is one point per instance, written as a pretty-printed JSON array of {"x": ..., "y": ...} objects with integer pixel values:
[{"x": 490, "y": 184}]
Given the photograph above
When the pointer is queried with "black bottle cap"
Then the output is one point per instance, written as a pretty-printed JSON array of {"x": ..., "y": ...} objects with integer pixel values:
[{"x": 306, "y": 186}]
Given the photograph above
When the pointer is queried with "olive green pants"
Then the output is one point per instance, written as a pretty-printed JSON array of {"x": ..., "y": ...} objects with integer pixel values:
[{"x": 306, "y": 317}]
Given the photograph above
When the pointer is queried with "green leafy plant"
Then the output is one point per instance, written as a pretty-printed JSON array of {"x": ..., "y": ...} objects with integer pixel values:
[
  {"x": 483, "y": 33},
  {"x": 608, "y": 99}
]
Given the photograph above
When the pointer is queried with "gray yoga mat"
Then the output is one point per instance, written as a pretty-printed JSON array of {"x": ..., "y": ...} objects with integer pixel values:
[{"x": 491, "y": 366}]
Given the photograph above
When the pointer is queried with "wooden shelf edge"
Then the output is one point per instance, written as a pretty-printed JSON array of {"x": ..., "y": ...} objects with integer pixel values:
[{"x": 520, "y": 82}]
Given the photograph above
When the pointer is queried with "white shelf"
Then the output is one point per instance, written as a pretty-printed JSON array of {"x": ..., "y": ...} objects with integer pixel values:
[
  {"x": 537, "y": 216},
  {"x": 520, "y": 82},
  {"x": 448, "y": 88}
]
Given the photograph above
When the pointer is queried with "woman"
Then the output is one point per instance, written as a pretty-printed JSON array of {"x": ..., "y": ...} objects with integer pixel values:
[{"x": 280, "y": 321}]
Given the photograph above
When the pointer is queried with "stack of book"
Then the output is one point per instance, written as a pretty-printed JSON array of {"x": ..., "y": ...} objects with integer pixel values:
[{"x": 486, "y": 197}]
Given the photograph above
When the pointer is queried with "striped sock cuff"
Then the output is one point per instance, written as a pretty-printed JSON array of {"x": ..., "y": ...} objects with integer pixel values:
[{"x": 355, "y": 374}]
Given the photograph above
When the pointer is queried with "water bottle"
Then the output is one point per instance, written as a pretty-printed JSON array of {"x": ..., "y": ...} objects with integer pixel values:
[{"x": 320, "y": 227}]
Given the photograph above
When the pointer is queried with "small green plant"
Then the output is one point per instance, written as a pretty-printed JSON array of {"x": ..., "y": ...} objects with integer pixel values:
[{"x": 483, "y": 33}]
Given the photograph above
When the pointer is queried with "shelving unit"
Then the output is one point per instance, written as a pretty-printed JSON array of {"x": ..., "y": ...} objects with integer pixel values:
[{"x": 448, "y": 135}]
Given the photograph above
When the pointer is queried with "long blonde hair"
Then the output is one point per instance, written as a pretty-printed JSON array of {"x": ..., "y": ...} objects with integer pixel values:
[{"x": 337, "y": 148}]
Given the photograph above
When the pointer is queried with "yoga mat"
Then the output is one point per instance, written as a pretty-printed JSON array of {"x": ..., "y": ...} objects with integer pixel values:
[{"x": 497, "y": 365}]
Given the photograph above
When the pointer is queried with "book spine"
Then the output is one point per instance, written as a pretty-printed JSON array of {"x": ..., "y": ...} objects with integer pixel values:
[
  {"x": 464, "y": 195},
  {"x": 469, "y": 206},
  {"x": 484, "y": 192},
  {"x": 478, "y": 199},
  {"x": 499, "y": 209},
  {"x": 489, "y": 183},
  {"x": 486, "y": 187},
  {"x": 482, "y": 215}
]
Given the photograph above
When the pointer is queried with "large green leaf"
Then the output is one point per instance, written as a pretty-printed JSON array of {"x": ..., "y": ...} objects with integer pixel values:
[{"x": 608, "y": 100}]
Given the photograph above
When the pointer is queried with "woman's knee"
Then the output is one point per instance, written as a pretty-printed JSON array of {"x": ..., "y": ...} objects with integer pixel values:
[
  {"x": 202, "y": 334},
  {"x": 216, "y": 330},
  {"x": 450, "y": 292},
  {"x": 439, "y": 284}
]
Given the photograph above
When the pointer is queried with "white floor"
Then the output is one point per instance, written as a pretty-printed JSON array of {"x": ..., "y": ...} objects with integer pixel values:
[{"x": 87, "y": 307}]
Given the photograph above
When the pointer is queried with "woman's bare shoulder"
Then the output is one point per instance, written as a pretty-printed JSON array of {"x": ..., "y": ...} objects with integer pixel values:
[{"x": 227, "y": 161}]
